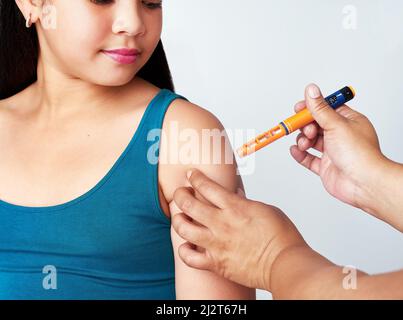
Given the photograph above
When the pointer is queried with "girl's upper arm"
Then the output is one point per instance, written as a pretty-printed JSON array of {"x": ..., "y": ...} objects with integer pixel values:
[{"x": 192, "y": 121}]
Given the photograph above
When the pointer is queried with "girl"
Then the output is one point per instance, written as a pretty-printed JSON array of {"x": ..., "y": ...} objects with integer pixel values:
[{"x": 84, "y": 211}]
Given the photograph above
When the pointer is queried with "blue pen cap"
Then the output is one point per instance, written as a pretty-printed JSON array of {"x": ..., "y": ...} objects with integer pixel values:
[{"x": 340, "y": 97}]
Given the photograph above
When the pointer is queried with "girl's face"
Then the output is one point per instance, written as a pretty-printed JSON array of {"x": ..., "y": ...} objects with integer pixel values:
[{"x": 73, "y": 35}]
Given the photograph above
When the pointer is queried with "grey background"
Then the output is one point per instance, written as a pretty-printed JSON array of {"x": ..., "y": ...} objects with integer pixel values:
[{"x": 249, "y": 61}]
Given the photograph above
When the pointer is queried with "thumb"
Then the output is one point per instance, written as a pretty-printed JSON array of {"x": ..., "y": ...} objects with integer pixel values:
[{"x": 324, "y": 115}]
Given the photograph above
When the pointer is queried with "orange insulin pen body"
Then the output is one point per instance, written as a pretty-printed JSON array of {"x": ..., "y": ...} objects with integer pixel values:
[{"x": 296, "y": 122}]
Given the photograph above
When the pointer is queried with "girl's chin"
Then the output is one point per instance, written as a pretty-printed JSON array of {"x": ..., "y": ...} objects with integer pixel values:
[{"x": 115, "y": 77}]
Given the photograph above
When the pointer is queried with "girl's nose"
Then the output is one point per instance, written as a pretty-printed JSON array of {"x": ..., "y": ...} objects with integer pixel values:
[{"x": 128, "y": 18}]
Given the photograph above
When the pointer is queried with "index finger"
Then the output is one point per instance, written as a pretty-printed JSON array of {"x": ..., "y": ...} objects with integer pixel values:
[
  {"x": 210, "y": 190},
  {"x": 311, "y": 130},
  {"x": 185, "y": 201},
  {"x": 299, "y": 106}
]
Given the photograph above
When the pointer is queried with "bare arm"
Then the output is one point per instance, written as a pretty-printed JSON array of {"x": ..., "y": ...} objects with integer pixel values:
[
  {"x": 301, "y": 273},
  {"x": 191, "y": 120}
]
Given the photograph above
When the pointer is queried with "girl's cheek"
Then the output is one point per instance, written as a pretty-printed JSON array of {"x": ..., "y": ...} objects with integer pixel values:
[
  {"x": 83, "y": 38},
  {"x": 77, "y": 27}
]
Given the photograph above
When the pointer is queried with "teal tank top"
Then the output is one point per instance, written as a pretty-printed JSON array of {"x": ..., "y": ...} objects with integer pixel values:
[{"x": 112, "y": 242}]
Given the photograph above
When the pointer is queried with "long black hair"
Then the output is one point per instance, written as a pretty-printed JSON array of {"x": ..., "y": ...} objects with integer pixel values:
[{"x": 19, "y": 52}]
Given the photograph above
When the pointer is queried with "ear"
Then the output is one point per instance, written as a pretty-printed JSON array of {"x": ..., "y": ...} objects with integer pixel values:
[
  {"x": 22, "y": 5},
  {"x": 33, "y": 7}
]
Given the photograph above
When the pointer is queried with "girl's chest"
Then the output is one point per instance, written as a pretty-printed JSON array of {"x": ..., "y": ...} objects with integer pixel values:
[{"x": 49, "y": 167}]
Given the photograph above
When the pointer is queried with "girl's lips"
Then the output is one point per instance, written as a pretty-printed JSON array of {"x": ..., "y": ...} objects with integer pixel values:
[{"x": 123, "y": 56}]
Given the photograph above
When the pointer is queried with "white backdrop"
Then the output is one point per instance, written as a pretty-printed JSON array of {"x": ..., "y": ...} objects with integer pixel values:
[{"x": 248, "y": 61}]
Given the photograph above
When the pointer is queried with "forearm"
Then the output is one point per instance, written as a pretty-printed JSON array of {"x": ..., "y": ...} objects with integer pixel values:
[
  {"x": 382, "y": 195},
  {"x": 301, "y": 273}
]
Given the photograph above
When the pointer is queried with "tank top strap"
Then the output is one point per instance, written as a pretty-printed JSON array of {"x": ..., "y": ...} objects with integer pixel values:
[
  {"x": 156, "y": 114},
  {"x": 151, "y": 130},
  {"x": 138, "y": 174}
]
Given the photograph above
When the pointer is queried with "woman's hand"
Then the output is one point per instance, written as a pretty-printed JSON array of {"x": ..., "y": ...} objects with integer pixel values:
[{"x": 237, "y": 238}]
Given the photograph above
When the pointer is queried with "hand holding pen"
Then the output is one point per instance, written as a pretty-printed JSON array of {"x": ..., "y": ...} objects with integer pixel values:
[{"x": 352, "y": 167}]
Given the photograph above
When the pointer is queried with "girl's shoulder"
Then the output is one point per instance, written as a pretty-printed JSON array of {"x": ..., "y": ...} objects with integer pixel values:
[
  {"x": 194, "y": 138},
  {"x": 8, "y": 108},
  {"x": 191, "y": 115},
  {"x": 184, "y": 112},
  {"x": 18, "y": 103},
  {"x": 7, "y": 103}
]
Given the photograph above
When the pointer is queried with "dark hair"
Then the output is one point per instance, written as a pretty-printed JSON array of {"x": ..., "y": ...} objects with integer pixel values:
[{"x": 19, "y": 52}]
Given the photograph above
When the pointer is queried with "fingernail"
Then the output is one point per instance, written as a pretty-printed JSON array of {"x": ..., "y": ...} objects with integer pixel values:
[
  {"x": 174, "y": 208},
  {"x": 186, "y": 205},
  {"x": 189, "y": 174},
  {"x": 314, "y": 91}
]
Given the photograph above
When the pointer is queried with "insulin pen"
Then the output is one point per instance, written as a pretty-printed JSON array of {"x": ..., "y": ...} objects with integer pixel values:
[{"x": 296, "y": 122}]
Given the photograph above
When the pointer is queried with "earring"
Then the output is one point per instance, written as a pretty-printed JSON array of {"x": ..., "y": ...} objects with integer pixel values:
[{"x": 28, "y": 22}]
